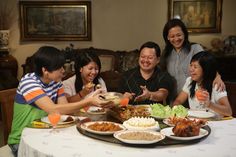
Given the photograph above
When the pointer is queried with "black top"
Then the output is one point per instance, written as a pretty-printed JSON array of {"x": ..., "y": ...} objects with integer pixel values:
[{"x": 132, "y": 80}]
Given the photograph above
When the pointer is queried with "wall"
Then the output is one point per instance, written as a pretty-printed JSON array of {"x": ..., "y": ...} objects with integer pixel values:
[{"x": 122, "y": 25}]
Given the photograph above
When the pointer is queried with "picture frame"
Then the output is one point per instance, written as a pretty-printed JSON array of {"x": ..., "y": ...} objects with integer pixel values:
[
  {"x": 55, "y": 20},
  {"x": 199, "y": 16}
]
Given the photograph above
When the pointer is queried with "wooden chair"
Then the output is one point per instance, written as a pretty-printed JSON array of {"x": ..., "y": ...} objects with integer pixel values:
[
  {"x": 6, "y": 102},
  {"x": 231, "y": 91}
]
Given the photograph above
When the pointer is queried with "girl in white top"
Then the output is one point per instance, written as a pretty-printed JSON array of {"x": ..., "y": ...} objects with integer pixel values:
[
  {"x": 203, "y": 70},
  {"x": 86, "y": 80}
]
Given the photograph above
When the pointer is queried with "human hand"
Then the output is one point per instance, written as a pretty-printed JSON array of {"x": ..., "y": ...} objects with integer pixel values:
[
  {"x": 98, "y": 100},
  {"x": 218, "y": 82},
  {"x": 128, "y": 95},
  {"x": 202, "y": 96},
  {"x": 145, "y": 95},
  {"x": 89, "y": 86},
  {"x": 96, "y": 92}
]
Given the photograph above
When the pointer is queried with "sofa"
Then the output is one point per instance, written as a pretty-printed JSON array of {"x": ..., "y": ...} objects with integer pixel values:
[{"x": 114, "y": 63}]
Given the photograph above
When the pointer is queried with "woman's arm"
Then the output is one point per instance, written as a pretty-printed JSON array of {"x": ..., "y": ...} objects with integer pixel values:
[
  {"x": 181, "y": 98},
  {"x": 159, "y": 95},
  {"x": 46, "y": 104},
  {"x": 222, "y": 106}
]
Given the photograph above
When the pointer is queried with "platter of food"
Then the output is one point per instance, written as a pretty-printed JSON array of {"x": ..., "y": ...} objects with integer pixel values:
[
  {"x": 139, "y": 137},
  {"x": 160, "y": 112},
  {"x": 113, "y": 96},
  {"x": 164, "y": 142},
  {"x": 200, "y": 114},
  {"x": 170, "y": 134},
  {"x": 172, "y": 121},
  {"x": 65, "y": 119},
  {"x": 141, "y": 123},
  {"x": 123, "y": 113},
  {"x": 102, "y": 127}
]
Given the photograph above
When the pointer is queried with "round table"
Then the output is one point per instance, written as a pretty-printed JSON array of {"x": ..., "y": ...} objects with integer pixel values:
[{"x": 68, "y": 142}]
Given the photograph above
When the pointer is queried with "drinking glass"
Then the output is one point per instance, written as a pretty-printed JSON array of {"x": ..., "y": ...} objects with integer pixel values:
[
  {"x": 199, "y": 95},
  {"x": 54, "y": 118}
]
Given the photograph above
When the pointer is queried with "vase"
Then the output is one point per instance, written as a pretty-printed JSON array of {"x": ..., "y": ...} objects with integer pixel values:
[{"x": 4, "y": 39}]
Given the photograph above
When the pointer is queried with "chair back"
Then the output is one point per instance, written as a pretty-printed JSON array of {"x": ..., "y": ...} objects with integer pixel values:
[
  {"x": 7, "y": 102},
  {"x": 231, "y": 91}
]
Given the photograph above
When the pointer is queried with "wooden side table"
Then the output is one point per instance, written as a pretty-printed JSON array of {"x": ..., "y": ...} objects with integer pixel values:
[{"x": 8, "y": 71}]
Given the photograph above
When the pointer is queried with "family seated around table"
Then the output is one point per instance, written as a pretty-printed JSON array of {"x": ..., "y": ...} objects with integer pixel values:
[
  {"x": 154, "y": 80},
  {"x": 199, "y": 89},
  {"x": 42, "y": 92}
]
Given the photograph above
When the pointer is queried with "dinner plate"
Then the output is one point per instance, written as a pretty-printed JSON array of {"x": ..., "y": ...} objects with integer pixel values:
[
  {"x": 86, "y": 125},
  {"x": 157, "y": 136},
  {"x": 200, "y": 114},
  {"x": 96, "y": 110},
  {"x": 169, "y": 133},
  {"x": 167, "y": 122},
  {"x": 158, "y": 118},
  {"x": 62, "y": 120}
]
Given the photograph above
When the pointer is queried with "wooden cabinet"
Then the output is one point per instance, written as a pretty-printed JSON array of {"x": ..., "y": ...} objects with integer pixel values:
[{"x": 8, "y": 72}]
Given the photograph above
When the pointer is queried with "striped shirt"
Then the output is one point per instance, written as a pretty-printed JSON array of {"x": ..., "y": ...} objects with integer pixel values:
[{"x": 30, "y": 89}]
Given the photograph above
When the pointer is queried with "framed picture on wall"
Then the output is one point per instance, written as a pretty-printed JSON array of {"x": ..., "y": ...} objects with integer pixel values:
[
  {"x": 200, "y": 16},
  {"x": 55, "y": 20}
]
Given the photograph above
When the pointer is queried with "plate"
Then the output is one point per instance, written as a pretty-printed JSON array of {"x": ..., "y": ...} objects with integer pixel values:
[
  {"x": 200, "y": 114},
  {"x": 158, "y": 118},
  {"x": 169, "y": 133},
  {"x": 96, "y": 110},
  {"x": 130, "y": 127},
  {"x": 158, "y": 137},
  {"x": 61, "y": 122},
  {"x": 167, "y": 121},
  {"x": 86, "y": 125}
]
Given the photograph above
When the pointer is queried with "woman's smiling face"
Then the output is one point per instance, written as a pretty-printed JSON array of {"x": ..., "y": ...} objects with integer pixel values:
[
  {"x": 89, "y": 72},
  {"x": 196, "y": 71},
  {"x": 176, "y": 37}
]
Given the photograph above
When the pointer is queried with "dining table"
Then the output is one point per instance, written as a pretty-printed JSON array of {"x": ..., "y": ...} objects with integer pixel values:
[{"x": 69, "y": 142}]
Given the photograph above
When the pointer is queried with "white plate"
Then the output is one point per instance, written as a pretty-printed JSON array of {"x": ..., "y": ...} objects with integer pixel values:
[
  {"x": 95, "y": 110},
  {"x": 169, "y": 133},
  {"x": 61, "y": 122},
  {"x": 200, "y": 114},
  {"x": 85, "y": 127},
  {"x": 130, "y": 127},
  {"x": 158, "y": 118},
  {"x": 167, "y": 122},
  {"x": 158, "y": 134}
]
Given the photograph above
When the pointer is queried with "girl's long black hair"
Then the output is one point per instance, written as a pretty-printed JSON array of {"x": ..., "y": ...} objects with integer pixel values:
[
  {"x": 83, "y": 58},
  {"x": 209, "y": 67}
]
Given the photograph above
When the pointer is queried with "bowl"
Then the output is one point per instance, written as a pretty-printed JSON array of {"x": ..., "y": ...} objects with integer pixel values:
[{"x": 114, "y": 97}]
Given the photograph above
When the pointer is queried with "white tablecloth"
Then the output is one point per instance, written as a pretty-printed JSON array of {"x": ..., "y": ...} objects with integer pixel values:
[{"x": 70, "y": 143}]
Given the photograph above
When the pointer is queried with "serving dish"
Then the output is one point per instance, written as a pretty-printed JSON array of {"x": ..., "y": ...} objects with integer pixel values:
[
  {"x": 86, "y": 127},
  {"x": 139, "y": 137},
  {"x": 169, "y": 133}
]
